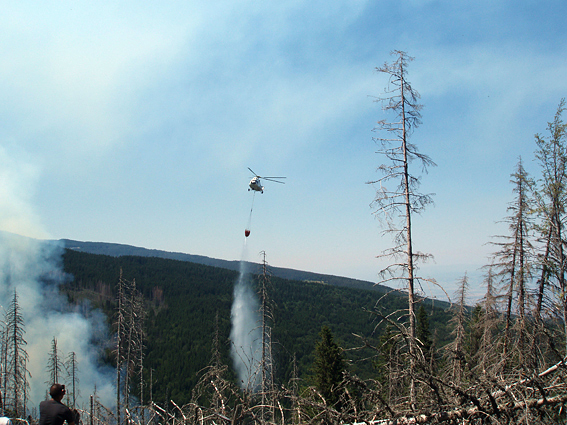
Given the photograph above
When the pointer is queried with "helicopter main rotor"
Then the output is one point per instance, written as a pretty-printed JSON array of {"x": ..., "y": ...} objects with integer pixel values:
[{"x": 267, "y": 178}]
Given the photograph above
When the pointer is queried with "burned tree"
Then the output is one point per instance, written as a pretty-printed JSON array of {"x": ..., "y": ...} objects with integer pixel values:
[
  {"x": 72, "y": 367},
  {"x": 129, "y": 341},
  {"x": 214, "y": 388},
  {"x": 456, "y": 348},
  {"x": 485, "y": 360},
  {"x": 398, "y": 198},
  {"x": 4, "y": 363},
  {"x": 513, "y": 263},
  {"x": 119, "y": 324},
  {"x": 54, "y": 364},
  {"x": 17, "y": 373},
  {"x": 551, "y": 154},
  {"x": 266, "y": 364}
]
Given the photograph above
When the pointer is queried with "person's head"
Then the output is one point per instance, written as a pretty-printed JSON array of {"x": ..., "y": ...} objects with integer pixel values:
[{"x": 57, "y": 391}]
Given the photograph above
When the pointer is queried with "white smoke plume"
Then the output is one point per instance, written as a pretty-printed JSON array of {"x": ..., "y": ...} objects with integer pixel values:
[
  {"x": 246, "y": 335},
  {"x": 33, "y": 269}
]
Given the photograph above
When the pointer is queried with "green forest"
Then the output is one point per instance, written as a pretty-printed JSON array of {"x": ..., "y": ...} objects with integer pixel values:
[{"x": 185, "y": 302}]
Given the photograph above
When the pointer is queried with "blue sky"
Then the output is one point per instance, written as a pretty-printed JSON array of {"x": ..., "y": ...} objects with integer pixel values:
[{"x": 135, "y": 123}]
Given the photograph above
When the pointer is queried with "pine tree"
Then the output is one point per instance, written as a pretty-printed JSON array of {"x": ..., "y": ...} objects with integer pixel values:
[
  {"x": 329, "y": 366},
  {"x": 423, "y": 334}
]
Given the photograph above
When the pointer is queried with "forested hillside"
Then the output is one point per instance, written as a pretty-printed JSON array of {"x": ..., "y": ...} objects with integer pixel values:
[
  {"x": 183, "y": 301},
  {"x": 119, "y": 250}
]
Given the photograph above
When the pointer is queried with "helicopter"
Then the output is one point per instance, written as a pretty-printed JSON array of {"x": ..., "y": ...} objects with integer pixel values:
[{"x": 256, "y": 185}]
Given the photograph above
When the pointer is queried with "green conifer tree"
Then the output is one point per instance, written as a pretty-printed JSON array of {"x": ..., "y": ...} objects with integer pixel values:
[
  {"x": 423, "y": 333},
  {"x": 329, "y": 366}
]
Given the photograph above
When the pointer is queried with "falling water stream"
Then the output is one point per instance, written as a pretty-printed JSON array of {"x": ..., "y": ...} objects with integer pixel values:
[{"x": 245, "y": 333}]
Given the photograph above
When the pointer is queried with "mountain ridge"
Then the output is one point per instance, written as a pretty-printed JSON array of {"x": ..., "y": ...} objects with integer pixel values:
[{"x": 120, "y": 250}]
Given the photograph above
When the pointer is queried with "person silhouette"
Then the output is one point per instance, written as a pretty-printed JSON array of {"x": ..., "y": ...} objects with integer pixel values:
[{"x": 53, "y": 412}]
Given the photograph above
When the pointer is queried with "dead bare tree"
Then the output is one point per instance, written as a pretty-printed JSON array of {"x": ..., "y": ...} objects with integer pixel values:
[
  {"x": 551, "y": 197},
  {"x": 130, "y": 315},
  {"x": 54, "y": 364},
  {"x": 119, "y": 324},
  {"x": 17, "y": 358},
  {"x": 455, "y": 350},
  {"x": 487, "y": 359},
  {"x": 513, "y": 263},
  {"x": 4, "y": 362},
  {"x": 72, "y": 367},
  {"x": 266, "y": 363},
  {"x": 133, "y": 338},
  {"x": 214, "y": 389},
  {"x": 396, "y": 206}
]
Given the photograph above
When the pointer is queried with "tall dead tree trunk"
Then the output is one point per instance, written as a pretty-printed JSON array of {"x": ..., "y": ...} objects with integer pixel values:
[
  {"x": 72, "y": 367},
  {"x": 266, "y": 365},
  {"x": 513, "y": 262},
  {"x": 129, "y": 322},
  {"x": 54, "y": 364},
  {"x": 552, "y": 197},
  {"x": 456, "y": 347},
  {"x": 18, "y": 373},
  {"x": 396, "y": 206},
  {"x": 119, "y": 324},
  {"x": 490, "y": 323},
  {"x": 4, "y": 365}
]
